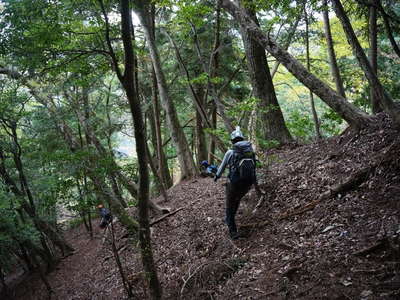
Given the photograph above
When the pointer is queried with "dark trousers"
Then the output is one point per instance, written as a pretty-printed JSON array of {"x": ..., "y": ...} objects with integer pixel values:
[{"x": 234, "y": 193}]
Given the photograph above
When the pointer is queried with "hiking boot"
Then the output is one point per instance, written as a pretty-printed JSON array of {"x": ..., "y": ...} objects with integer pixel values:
[{"x": 234, "y": 235}]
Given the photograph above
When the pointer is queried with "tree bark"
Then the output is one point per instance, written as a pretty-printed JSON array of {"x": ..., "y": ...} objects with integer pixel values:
[
  {"x": 210, "y": 70},
  {"x": 270, "y": 116},
  {"x": 312, "y": 103},
  {"x": 373, "y": 56},
  {"x": 201, "y": 144},
  {"x": 162, "y": 160},
  {"x": 331, "y": 51},
  {"x": 198, "y": 97},
  {"x": 211, "y": 146},
  {"x": 354, "y": 116},
  {"x": 391, "y": 108},
  {"x": 141, "y": 146},
  {"x": 29, "y": 206},
  {"x": 388, "y": 28},
  {"x": 185, "y": 157}
]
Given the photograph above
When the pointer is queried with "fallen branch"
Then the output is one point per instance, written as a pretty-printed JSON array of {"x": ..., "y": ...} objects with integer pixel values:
[
  {"x": 165, "y": 216},
  {"x": 190, "y": 275},
  {"x": 370, "y": 249},
  {"x": 352, "y": 182},
  {"x": 254, "y": 225}
]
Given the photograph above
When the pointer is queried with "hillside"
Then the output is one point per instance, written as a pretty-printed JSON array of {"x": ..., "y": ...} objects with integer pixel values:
[{"x": 327, "y": 228}]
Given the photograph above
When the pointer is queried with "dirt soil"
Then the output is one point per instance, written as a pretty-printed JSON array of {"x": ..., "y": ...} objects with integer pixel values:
[{"x": 308, "y": 238}]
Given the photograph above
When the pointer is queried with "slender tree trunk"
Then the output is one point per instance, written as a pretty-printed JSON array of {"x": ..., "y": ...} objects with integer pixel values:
[
  {"x": 158, "y": 179},
  {"x": 42, "y": 274},
  {"x": 270, "y": 115},
  {"x": 211, "y": 148},
  {"x": 198, "y": 97},
  {"x": 312, "y": 104},
  {"x": 201, "y": 144},
  {"x": 29, "y": 206},
  {"x": 373, "y": 56},
  {"x": 89, "y": 134},
  {"x": 354, "y": 116},
  {"x": 162, "y": 161},
  {"x": 391, "y": 108},
  {"x": 125, "y": 282},
  {"x": 186, "y": 162},
  {"x": 5, "y": 291},
  {"x": 141, "y": 146},
  {"x": 331, "y": 51},
  {"x": 388, "y": 28},
  {"x": 210, "y": 69},
  {"x": 291, "y": 33},
  {"x": 25, "y": 257},
  {"x": 89, "y": 165}
]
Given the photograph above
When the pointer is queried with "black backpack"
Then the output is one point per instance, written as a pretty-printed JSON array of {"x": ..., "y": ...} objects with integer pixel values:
[{"x": 243, "y": 164}]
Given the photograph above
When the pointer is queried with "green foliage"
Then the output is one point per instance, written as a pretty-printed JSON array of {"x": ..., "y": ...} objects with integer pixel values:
[
  {"x": 267, "y": 144},
  {"x": 12, "y": 231},
  {"x": 247, "y": 105},
  {"x": 300, "y": 125}
]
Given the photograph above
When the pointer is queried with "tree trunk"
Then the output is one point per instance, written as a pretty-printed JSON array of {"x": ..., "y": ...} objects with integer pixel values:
[
  {"x": 210, "y": 69},
  {"x": 89, "y": 165},
  {"x": 162, "y": 160},
  {"x": 386, "y": 22},
  {"x": 29, "y": 206},
  {"x": 312, "y": 104},
  {"x": 5, "y": 291},
  {"x": 331, "y": 51},
  {"x": 391, "y": 108},
  {"x": 198, "y": 97},
  {"x": 354, "y": 116},
  {"x": 211, "y": 146},
  {"x": 141, "y": 146},
  {"x": 291, "y": 33},
  {"x": 373, "y": 56},
  {"x": 185, "y": 157},
  {"x": 270, "y": 116},
  {"x": 201, "y": 144}
]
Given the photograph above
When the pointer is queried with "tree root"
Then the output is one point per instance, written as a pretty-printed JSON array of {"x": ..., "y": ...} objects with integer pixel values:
[
  {"x": 350, "y": 183},
  {"x": 165, "y": 216}
]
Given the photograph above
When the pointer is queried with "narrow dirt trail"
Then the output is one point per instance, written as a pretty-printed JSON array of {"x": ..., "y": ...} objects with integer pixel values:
[
  {"x": 347, "y": 246},
  {"x": 75, "y": 276}
]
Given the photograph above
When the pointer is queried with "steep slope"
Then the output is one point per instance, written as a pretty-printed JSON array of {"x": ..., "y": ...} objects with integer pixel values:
[{"x": 327, "y": 228}]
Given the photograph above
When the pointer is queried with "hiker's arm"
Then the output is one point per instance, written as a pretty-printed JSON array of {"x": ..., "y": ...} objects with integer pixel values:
[{"x": 224, "y": 163}]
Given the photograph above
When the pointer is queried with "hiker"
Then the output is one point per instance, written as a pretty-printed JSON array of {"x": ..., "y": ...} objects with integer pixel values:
[
  {"x": 207, "y": 170},
  {"x": 242, "y": 175},
  {"x": 106, "y": 216}
]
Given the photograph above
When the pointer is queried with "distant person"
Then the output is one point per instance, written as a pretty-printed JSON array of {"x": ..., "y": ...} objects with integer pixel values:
[
  {"x": 106, "y": 217},
  {"x": 242, "y": 175},
  {"x": 208, "y": 170}
]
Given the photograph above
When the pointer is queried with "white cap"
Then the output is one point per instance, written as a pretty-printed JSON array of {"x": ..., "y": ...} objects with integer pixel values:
[{"x": 236, "y": 133}]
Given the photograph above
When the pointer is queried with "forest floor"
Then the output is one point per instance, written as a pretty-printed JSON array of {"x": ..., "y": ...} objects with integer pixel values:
[{"x": 328, "y": 227}]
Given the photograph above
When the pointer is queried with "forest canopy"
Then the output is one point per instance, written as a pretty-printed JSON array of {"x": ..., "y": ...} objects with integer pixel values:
[{"x": 80, "y": 80}]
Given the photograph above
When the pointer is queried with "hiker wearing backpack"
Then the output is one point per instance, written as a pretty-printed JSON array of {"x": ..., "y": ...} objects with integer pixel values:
[
  {"x": 207, "y": 170},
  {"x": 106, "y": 217},
  {"x": 242, "y": 175}
]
